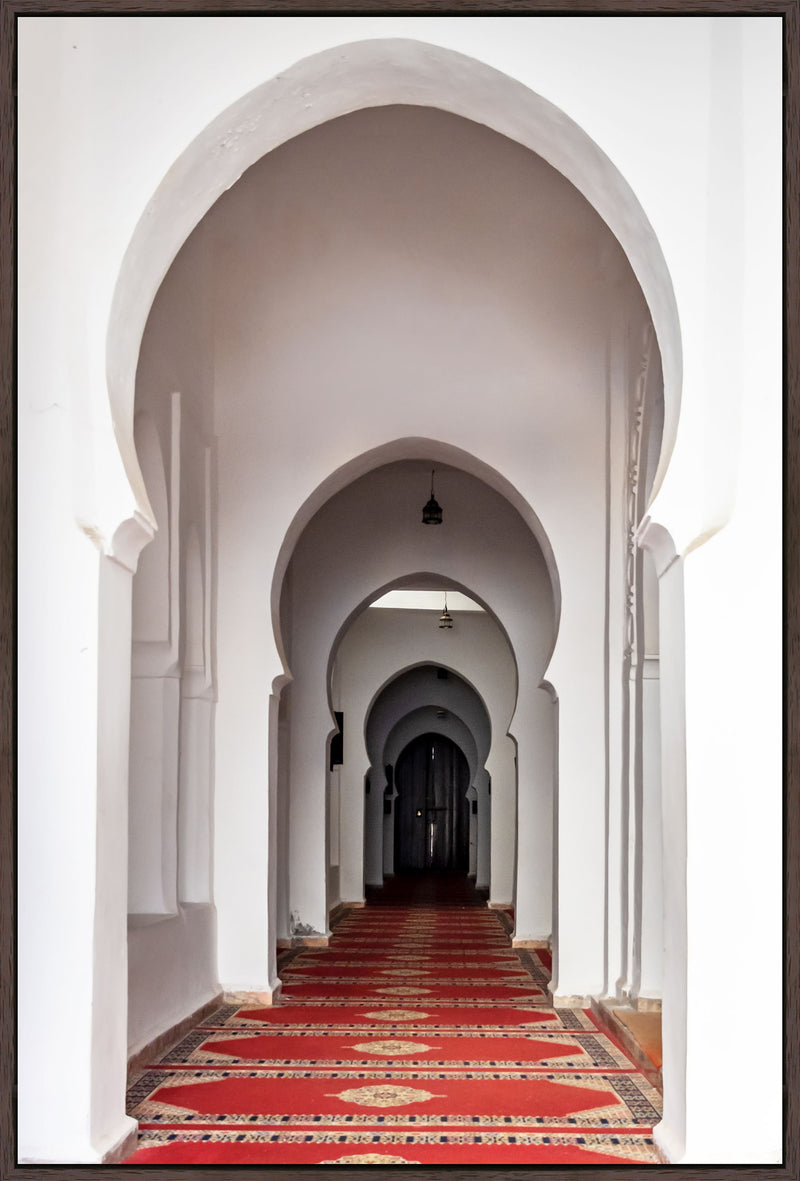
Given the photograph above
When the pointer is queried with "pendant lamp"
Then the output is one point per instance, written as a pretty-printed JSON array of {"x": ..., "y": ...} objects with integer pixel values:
[{"x": 432, "y": 512}]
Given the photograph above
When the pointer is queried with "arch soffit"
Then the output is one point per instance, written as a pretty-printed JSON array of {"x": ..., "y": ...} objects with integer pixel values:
[
  {"x": 416, "y": 448},
  {"x": 440, "y": 734},
  {"x": 412, "y": 579},
  {"x": 420, "y": 722},
  {"x": 393, "y": 683},
  {"x": 322, "y": 87}
]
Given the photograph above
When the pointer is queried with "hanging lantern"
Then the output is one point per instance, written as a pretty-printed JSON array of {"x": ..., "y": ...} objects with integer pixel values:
[
  {"x": 432, "y": 512},
  {"x": 445, "y": 619}
]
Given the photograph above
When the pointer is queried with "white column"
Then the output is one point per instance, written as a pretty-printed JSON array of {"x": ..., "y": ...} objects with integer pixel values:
[
  {"x": 308, "y": 904},
  {"x": 156, "y": 690},
  {"x": 535, "y": 755},
  {"x": 725, "y": 877},
  {"x": 579, "y": 964},
  {"x": 388, "y": 834},
  {"x": 646, "y": 932},
  {"x": 243, "y": 744},
  {"x": 472, "y": 796},
  {"x": 484, "y": 819},
  {"x": 279, "y": 811},
  {"x": 109, "y": 1124},
  {"x": 334, "y": 818},
  {"x": 503, "y": 807},
  {"x": 720, "y": 798},
  {"x": 373, "y": 836},
  {"x": 72, "y": 837},
  {"x": 196, "y": 764},
  {"x": 671, "y": 1132},
  {"x": 652, "y": 901},
  {"x": 734, "y": 804},
  {"x": 353, "y": 811}
]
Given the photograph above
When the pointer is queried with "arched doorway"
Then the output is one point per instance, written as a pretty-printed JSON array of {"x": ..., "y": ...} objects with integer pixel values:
[
  {"x": 429, "y": 698},
  {"x": 487, "y": 550},
  {"x": 431, "y": 830},
  {"x": 370, "y": 512},
  {"x": 559, "y": 483}
]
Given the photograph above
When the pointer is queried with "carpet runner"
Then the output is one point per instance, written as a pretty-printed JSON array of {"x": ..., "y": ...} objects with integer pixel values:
[{"x": 417, "y": 1037}]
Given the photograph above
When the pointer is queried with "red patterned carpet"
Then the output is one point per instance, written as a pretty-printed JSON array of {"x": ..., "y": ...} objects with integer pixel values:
[{"x": 417, "y": 1037}]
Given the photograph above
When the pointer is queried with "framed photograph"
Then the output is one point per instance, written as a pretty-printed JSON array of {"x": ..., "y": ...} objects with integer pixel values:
[{"x": 399, "y": 419}]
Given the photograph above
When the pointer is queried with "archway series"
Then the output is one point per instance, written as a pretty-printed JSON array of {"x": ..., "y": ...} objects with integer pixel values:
[
  {"x": 297, "y": 466},
  {"x": 494, "y": 557}
]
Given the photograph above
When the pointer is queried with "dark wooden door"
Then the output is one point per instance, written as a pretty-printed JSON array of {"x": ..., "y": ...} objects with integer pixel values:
[{"x": 431, "y": 828}]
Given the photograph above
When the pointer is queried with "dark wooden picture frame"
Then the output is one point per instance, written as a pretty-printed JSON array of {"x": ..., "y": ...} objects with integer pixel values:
[{"x": 789, "y": 11}]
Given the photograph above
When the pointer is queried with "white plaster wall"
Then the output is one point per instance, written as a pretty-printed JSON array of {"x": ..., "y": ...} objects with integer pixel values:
[
  {"x": 732, "y": 586},
  {"x": 153, "y": 784},
  {"x": 172, "y": 970},
  {"x": 172, "y": 959},
  {"x": 195, "y": 801},
  {"x": 66, "y": 779},
  {"x": 97, "y": 133},
  {"x": 106, "y": 45}
]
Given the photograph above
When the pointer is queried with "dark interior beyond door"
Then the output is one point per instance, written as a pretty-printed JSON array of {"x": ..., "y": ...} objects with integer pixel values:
[{"x": 431, "y": 828}]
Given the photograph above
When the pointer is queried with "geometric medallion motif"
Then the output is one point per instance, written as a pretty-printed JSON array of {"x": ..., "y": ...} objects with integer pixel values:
[
  {"x": 396, "y": 1015},
  {"x": 403, "y": 990},
  {"x": 370, "y": 1158},
  {"x": 386, "y": 1095},
  {"x": 392, "y": 1049}
]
